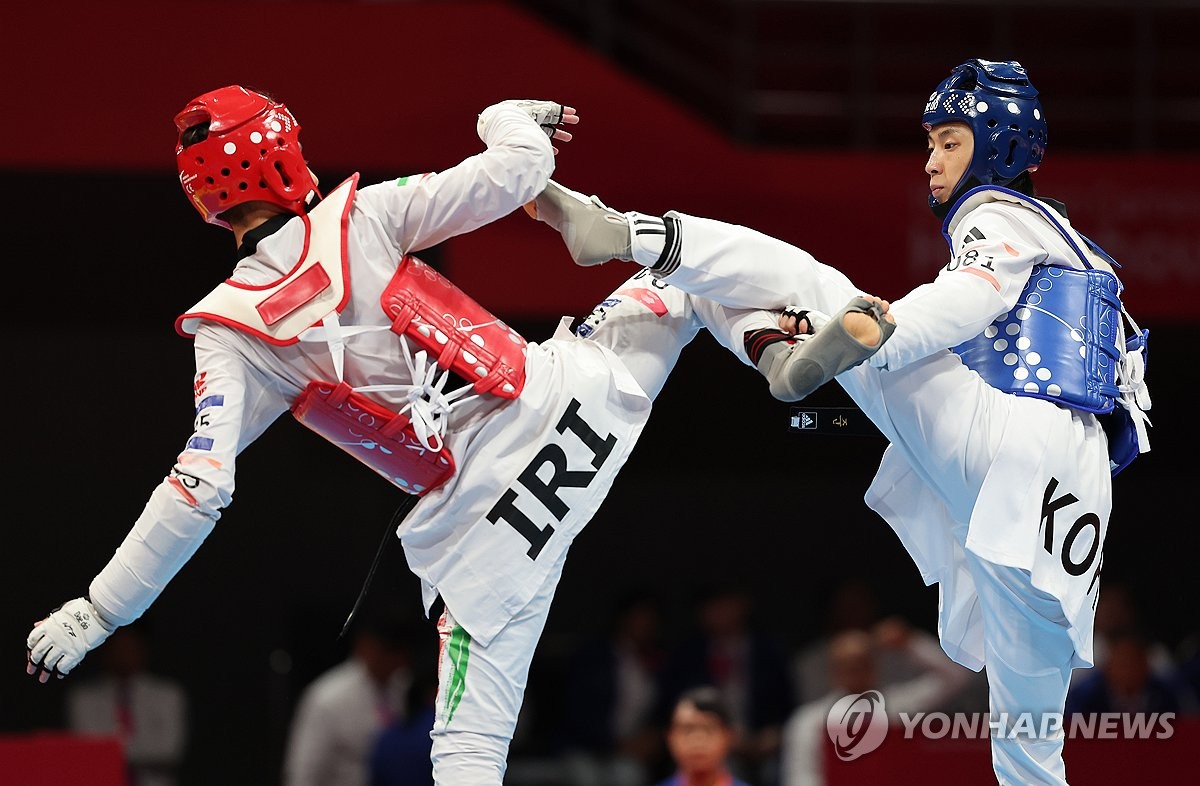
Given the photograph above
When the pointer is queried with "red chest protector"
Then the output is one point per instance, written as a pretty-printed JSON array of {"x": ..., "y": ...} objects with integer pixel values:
[
  {"x": 424, "y": 306},
  {"x": 461, "y": 334}
]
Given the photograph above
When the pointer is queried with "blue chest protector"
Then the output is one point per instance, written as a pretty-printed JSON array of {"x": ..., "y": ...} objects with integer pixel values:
[{"x": 1062, "y": 341}]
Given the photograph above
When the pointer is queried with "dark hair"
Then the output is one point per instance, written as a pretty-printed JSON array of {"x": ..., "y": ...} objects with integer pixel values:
[
  {"x": 708, "y": 700},
  {"x": 194, "y": 134}
]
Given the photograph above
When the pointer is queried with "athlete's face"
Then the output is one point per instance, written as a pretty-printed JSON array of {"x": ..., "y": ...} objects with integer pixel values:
[
  {"x": 699, "y": 741},
  {"x": 951, "y": 146}
]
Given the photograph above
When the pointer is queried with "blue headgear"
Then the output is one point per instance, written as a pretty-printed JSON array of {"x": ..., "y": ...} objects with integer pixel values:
[{"x": 1001, "y": 106}]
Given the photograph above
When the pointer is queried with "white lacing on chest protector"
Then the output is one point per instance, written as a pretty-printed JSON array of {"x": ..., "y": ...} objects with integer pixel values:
[
  {"x": 427, "y": 402},
  {"x": 1131, "y": 382}
]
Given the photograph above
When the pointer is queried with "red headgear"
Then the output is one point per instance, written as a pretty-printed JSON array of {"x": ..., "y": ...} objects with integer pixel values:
[{"x": 252, "y": 153}]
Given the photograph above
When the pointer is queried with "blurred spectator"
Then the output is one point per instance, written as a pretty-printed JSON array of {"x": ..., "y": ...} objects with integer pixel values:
[
  {"x": 611, "y": 738},
  {"x": 700, "y": 738},
  {"x": 749, "y": 670},
  {"x": 1116, "y": 615},
  {"x": 853, "y": 606},
  {"x": 147, "y": 712},
  {"x": 341, "y": 714},
  {"x": 401, "y": 754},
  {"x": 1187, "y": 676},
  {"x": 1126, "y": 682},
  {"x": 853, "y": 662}
]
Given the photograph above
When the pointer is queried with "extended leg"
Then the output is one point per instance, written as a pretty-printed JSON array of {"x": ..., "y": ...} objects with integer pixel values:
[
  {"x": 737, "y": 268},
  {"x": 1029, "y": 656},
  {"x": 480, "y": 691}
]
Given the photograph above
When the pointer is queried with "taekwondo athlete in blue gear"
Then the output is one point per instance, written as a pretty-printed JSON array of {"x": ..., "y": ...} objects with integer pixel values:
[
  {"x": 1000, "y": 493},
  {"x": 1066, "y": 320}
]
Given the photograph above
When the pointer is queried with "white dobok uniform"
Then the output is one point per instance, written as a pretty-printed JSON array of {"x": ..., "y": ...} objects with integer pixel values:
[
  {"x": 530, "y": 470},
  {"x": 1002, "y": 500}
]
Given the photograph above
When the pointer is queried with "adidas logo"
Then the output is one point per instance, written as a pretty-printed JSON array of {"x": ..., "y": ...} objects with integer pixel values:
[{"x": 804, "y": 420}]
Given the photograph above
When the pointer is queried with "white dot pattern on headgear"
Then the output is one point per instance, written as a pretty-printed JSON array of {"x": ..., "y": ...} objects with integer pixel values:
[
  {"x": 256, "y": 137},
  {"x": 958, "y": 103},
  {"x": 230, "y": 148}
]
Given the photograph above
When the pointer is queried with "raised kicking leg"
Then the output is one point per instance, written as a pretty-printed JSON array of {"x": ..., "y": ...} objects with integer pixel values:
[{"x": 595, "y": 233}]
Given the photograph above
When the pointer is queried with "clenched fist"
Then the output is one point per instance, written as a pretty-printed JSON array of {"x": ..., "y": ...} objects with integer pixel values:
[{"x": 58, "y": 643}]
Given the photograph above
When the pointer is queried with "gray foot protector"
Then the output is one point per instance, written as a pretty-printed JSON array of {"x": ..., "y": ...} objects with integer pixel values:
[
  {"x": 594, "y": 233},
  {"x": 794, "y": 371}
]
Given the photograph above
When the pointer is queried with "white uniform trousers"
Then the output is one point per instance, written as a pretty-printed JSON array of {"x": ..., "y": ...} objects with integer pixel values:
[
  {"x": 481, "y": 688},
  {"x": 1029, "y": 678}
]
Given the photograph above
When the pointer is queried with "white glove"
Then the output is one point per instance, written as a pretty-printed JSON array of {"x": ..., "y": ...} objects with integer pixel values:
[
  {"x": 547, "y": 114},
  {"x": 816, "y": 320},
  {"x": 58, "y": 643}
]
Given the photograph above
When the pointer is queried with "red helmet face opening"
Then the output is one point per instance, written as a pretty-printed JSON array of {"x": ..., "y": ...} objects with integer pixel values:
[{"x": 251, "y": 153}]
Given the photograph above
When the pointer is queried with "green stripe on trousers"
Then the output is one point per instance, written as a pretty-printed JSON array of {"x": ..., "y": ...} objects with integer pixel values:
[{"x": 458, "y": 648}]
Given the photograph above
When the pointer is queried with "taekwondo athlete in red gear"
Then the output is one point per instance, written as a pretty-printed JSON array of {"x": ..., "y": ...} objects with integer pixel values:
[
  {"x": 327, "y": 314},
  {"x": 998, "y": 480}
]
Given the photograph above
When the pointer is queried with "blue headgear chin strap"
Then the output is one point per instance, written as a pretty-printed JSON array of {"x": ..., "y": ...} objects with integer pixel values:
[{"x": 1001, "y": 106}]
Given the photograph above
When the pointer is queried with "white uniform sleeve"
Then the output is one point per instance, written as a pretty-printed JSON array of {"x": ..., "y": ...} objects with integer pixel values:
[
  {"x": 993, "y": 256},
  {"x": 234, "y": 405},
  {"x": 422, "y": 211}
]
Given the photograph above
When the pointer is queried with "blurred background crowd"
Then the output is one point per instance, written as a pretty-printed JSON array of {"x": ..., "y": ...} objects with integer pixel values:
[{"x": 601, "y": 708}]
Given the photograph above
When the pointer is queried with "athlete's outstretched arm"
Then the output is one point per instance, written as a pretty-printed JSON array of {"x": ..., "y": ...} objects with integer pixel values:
[
  {"x": 233, "y": 407},
  {"x": 423, "y": 210}
]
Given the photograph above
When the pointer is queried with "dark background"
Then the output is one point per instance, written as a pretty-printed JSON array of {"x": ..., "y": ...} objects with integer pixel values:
[{"x": 103, "y": 253}]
